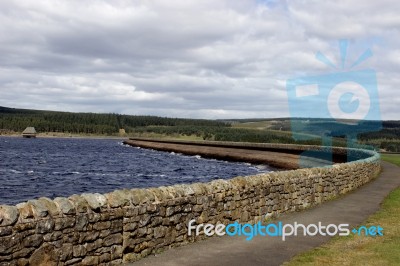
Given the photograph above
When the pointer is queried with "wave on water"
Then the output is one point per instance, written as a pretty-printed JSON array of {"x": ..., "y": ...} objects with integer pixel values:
[
  {"x": 66, "y": 173},
  {"x": 121, "y": 143},
  {"x": 261, "y": 168},
  {"x": 15, "y": 171},
  {"x": 62, "y": 167},
  {"x": 153, "y": 175},
  {"x": 176, "y": 153}
]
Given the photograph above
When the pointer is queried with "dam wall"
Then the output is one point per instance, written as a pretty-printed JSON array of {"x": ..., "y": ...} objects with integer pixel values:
[
  {"x": 284, "y": 156},
  {"x": 126, "y": 225}
]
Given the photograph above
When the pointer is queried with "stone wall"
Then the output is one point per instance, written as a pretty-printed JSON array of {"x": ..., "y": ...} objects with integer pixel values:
[{"x": 126, "y": 225}]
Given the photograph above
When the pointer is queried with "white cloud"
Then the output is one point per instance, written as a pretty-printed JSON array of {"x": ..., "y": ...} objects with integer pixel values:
[{"x": 210, "y": 59}]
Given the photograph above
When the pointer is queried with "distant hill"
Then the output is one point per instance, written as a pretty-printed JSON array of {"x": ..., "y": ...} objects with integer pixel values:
[
  {"x": 387, "y": 138},
  {"x": 89, "y": 123},
  {"x": 272, "y": 130}
]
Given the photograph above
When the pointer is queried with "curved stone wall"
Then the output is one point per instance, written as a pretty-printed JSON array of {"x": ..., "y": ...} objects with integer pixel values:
[{"x": 125, "y": 225}]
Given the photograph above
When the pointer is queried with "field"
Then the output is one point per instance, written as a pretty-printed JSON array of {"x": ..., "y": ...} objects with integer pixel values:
[{"x": 359, "y": 250}]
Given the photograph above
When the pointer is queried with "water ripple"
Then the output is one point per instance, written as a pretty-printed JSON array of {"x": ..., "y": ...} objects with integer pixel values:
[{"x": 32, "y": 168}]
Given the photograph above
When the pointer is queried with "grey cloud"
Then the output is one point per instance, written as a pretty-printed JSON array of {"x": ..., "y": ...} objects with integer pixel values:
[{"x": 204, "y": 59}]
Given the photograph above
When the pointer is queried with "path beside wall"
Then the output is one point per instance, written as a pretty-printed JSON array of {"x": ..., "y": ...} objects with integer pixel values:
[{"x": 353, "y": 209}]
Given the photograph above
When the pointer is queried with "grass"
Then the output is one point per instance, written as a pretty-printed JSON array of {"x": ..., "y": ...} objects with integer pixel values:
[
  {"x": 265, "y": 126},
  {"x": 362, "y": 250},
  {"x": 254, "y": 125},
  {"x": 164, "y": 136},
  {"x": 391, "y": 158}
]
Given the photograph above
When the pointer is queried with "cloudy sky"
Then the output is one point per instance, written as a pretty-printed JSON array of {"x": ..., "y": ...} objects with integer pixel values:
[{"x": 200, "y": 59}]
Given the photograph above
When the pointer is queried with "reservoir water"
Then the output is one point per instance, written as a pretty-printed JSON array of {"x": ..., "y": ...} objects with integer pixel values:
[{"x": 54, "y": 167}]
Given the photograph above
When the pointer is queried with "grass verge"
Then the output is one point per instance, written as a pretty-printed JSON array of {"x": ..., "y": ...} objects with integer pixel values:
[
  {"x": 362, "y": 250},
  {"x": 391, "y": 158}
]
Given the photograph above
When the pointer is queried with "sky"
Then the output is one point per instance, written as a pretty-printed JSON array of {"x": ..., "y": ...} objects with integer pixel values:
[{"x": 197, "y": 59}]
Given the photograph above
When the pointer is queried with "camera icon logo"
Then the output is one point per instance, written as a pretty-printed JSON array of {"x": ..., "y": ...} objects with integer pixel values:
[{"x": 347, "y": 100}]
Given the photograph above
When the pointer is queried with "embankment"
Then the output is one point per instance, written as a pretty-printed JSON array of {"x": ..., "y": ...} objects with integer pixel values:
[
  {"x": 284, "y": 156},
  {"x": 125, "y": 225}
]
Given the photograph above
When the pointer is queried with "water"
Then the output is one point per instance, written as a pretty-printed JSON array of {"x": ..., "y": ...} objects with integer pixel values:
[{"x": 53, "y": 167}]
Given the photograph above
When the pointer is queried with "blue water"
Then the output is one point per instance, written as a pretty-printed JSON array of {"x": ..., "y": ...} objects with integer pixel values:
[{"x": 53, "y": 167}]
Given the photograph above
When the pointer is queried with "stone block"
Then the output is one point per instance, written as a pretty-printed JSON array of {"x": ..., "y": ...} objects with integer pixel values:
[
  {"x": 64, "y": 222},
  {"x": 66, "y": 252},
  {"x": 112, "y": 240},
  {"x": 45, "y": 226},
  {"x": 141, "y": 196},
  {"x": 106, "y": 257},
  {"x": 80, "y": 203},
  {"x": 90, "y": 260},
  {"x": 39, "y": 208},
  {"x": 46, "y": 255},
  {"x": 81, "y": 222},
  {"x": 88, "y": 236},
  {"x": 8, "y": 215},
  {"x": 34, "y": 240},
  {"x": 95, "y": 200},
  {"x": 64, "y": 205},
  {"x": 49, "y": 205},
  {"x": 79, "y": 250},
  {"x": 74, "y": 261},
  {"x": 25, "y": 210},
  {"x": 116, "y": 252},
  {"x": 6, "y": 231},
  {"x": 119, "y": 198},
  {"x": 102, "y": 225}
]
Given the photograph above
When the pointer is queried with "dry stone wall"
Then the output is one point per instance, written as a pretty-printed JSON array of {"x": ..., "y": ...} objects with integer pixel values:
[{"x": 126, "y": 225}]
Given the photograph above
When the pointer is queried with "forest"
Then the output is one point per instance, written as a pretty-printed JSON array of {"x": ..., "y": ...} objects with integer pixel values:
[{"x": 17, "y": 120}]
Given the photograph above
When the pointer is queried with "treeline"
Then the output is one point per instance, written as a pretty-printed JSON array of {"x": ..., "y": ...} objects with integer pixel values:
[
  {"x": 89, "y": 123},
  {"x": 92, "y": 123}
]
